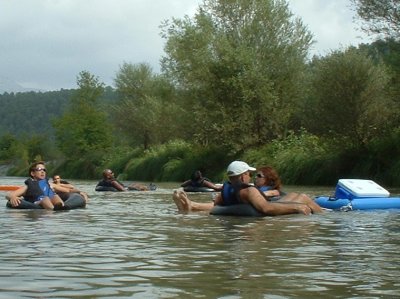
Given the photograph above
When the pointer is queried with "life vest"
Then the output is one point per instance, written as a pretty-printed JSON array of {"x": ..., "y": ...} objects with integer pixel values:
[
  {"x": 108, "y": 183},
  {"x": 264, "y": 188},
  {"x": 37, "y": 190},
  {"x": 231, "y": 193}
]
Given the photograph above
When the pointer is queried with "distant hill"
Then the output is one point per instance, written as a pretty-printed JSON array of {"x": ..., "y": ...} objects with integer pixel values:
[
  {"x": 27, "y": 113},
  {"x": 9, "y": 86}
]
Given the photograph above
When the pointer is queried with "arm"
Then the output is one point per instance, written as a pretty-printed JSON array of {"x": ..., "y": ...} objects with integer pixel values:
[
  {"x": 69, "y": 186},
  {"x": 117, "y": 185},
  {"x": 60, "y": 188},
  {"x": 211, "y": 185},
  {"x": 186, "y": 183},
  {"x": 253, "y": 196},
  {"x": 14, "y": 197},
  {"x": 272, "y": 193},
  {"x": 66, "y": 188}
]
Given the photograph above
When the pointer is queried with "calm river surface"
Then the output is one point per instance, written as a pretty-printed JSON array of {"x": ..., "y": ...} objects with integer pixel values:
[{"x": 136, "y": 245}]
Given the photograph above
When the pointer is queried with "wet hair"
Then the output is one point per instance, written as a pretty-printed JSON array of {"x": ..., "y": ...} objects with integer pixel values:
[
  {"x": 271, "y": 177},
  {"x": 197, "y": 175}
]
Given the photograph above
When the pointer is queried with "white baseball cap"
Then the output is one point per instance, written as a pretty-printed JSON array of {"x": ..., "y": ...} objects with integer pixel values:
[{"x": 238, "y": 167}]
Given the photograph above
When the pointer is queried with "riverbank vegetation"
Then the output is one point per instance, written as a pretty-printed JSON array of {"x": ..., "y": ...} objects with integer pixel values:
[{"x": 237, "y": 82}]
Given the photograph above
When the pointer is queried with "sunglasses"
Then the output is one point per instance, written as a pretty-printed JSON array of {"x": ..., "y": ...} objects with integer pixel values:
[
  {"x": 40, "y": 169},
  {"x": 260, "y": 176}
]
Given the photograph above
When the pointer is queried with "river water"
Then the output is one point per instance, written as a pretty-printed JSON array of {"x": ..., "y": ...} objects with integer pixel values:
[{"x": 136, "y": 245}]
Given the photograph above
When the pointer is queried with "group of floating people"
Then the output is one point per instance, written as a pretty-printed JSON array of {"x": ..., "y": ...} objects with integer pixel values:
[
  {"x": 264, "y": 195},
  {"x": 38, "y": 192}
]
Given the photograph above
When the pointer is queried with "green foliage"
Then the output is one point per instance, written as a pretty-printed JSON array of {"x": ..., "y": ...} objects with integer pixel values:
[
  {"x": 388, "y": 52},
  {"x": 31, "y": 112},
  {"x": 239, "y": 65},
  {"x": 159, "y": 164},
  {"x": 380, "y": 158},
  {"x": 380, "y": 17},
  {"x": 19, "y": 153},
  {"x": 83, "y": 133},
  {"x": 176, "y": 161},
  {"x": 300, "y": 158},
  {"x": 8, "y": 146},
  {"x": 146, "y": 112},
  {"x": 347, "y": 90}
]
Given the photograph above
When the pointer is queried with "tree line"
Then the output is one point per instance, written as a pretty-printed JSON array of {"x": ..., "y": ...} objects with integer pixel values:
[{"x": 236, "y": 81}]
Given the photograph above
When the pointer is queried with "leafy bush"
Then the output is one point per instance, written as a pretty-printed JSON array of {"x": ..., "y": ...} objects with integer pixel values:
[{"x": 176, "y": 161}]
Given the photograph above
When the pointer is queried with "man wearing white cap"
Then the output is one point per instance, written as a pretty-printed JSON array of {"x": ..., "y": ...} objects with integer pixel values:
[{"x": 238, "y": 191}]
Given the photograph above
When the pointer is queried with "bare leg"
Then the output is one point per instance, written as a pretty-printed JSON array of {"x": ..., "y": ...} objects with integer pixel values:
[
  {"x": 304, "y": 199},
  {"x": 184, "y": 204},
  {"x": 46, "y": 203},
  {"x": 57, "y": 201}
]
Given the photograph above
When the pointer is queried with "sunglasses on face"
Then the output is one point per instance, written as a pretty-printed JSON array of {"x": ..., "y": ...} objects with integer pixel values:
[
  {"x": 260, "y": 176},
  {"x": 40, "y": 169}
]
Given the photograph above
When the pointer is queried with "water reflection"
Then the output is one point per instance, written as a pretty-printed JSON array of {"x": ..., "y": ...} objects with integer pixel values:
[{"x": 136, "y": 245}]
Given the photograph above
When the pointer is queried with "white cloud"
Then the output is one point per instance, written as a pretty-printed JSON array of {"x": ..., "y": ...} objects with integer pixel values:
[
  {"x": 331, "y": 23},
  {"x": 46, "y": 43}
]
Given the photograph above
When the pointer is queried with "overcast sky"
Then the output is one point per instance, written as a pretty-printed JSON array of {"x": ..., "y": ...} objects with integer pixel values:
[{"x": 46, "y": 43}]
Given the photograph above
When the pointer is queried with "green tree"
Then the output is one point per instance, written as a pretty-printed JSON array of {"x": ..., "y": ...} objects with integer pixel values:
[
  {"x": 238, "y": 65},
  {"x": 8, "y": 145},
  {"x": 145, "y": 112},
  {"x": 83, "y": 133},
  {"x": 380, "y": 17},
  {"x": 349, "y": 97},
  {"x": 27, "y": 113}
]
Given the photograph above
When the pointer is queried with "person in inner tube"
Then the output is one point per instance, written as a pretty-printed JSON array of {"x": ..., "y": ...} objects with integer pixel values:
[
  {"x": 197, "y": 181},
  {"x": 238, "y": 190},
  {"x": 110, "y": 181},
  {"x": 64, "y": 189},
  {"x": 37, "y": 190}
]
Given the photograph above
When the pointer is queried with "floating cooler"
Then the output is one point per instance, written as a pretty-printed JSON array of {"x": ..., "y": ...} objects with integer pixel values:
[{"x": 355, "y": 188}]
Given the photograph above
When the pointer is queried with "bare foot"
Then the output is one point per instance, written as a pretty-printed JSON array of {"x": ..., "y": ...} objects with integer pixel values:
[{"x": 182, "y": 202}]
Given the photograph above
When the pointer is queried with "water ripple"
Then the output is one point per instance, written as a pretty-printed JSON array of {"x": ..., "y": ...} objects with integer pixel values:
[{"x": 135, "y": 245}]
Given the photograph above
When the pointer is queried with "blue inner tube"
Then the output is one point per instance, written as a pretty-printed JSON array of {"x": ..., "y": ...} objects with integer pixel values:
[
  {"x": 246, "y": 210},
  {"x": 362, "y": 203},
  {"x": 74, "y": 201}
]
